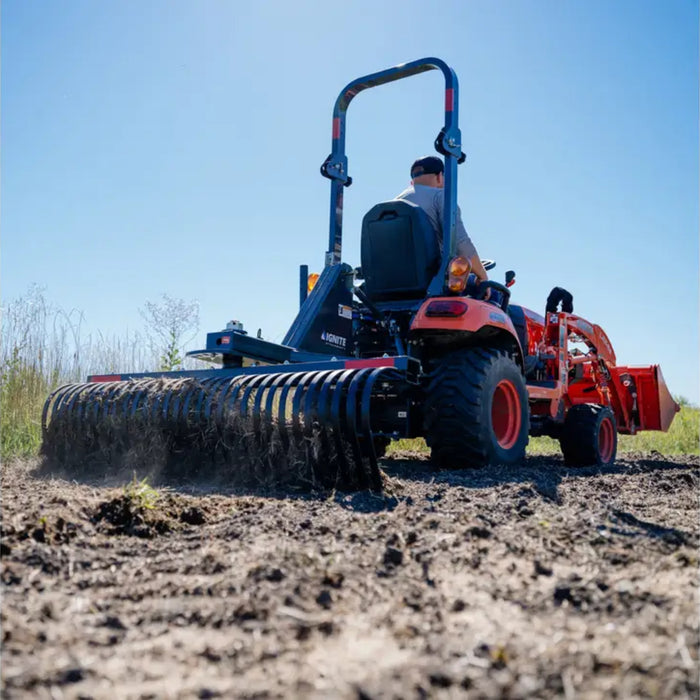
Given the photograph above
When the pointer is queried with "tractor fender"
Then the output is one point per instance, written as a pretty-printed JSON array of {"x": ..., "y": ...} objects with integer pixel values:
[{"x": 464, "y": 315}]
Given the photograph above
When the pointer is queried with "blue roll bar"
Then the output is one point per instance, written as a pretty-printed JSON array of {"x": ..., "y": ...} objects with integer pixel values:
[{"x": 448, "y": 143}]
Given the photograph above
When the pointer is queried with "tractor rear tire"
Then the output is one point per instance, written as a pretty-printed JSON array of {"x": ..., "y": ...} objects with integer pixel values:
[
  {"x": 476, "y": 409},
  {"x": 589, "y": 436}
]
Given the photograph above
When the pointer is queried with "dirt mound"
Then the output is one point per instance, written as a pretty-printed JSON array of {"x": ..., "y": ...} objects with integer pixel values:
[{"x": 530, "y": 581}]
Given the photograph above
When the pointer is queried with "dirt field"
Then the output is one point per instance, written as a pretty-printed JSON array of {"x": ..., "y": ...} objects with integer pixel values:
[{"x": 536, "y": 581}]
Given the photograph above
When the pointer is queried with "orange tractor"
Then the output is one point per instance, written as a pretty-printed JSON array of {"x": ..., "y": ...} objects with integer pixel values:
[{"x": 406, "y": 345}]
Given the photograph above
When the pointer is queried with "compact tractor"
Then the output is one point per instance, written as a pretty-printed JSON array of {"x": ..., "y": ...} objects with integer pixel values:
[{"x": 406, "y": 345}]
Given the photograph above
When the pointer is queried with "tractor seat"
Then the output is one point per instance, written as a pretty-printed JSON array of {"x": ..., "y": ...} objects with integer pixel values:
[{"x": 399, "y": 251}]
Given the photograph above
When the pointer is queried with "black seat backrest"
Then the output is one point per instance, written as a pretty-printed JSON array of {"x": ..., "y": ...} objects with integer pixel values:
[{"x": 399, "y": 252}]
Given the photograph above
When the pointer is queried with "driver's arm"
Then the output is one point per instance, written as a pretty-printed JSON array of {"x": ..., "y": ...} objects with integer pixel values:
[
  {"x": 466, "y": 248},
  {"x": 478, "y": 268}
]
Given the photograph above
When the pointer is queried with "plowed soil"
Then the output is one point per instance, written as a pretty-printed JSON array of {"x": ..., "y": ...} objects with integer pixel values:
[{"x": 532, "y": 581}]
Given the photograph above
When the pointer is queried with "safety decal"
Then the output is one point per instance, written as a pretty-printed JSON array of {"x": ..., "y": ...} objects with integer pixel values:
[{"x": 344, "y": 311}]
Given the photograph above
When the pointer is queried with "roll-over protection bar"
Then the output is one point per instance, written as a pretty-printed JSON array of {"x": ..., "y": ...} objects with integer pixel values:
[{"x": 448, "y": 142}]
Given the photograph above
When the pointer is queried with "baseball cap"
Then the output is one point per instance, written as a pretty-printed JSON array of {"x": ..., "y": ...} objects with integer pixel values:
[{"x": 427, "y": 165}]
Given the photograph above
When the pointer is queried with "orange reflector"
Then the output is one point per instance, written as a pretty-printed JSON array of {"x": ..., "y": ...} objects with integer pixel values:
[
  {"x": 459, "y": 266},
  {"x": 446, "y": 307},
  {"x": 458, "y": 271},
  {"x": 456, "y": 284},
  {"x": 311, "y": 281}
]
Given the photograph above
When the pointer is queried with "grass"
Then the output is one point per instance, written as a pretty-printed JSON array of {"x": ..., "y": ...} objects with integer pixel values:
[
  {"x": 141, "y": 494},
  {"x": 42, "y": 348},
  {"x": 23, "y": 390},
  {"x": 682, "y": 438}
]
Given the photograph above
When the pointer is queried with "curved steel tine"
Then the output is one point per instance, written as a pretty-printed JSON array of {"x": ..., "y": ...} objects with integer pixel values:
[
  {"x": 122, "y": 400},
  {"x": 299, "y": 392},
  {"x": 313, "y": 413},
  {"x": 230, "y": 401},
  {"x": 299, "y": 434},
  {"x": 156, "y": 400},
  {"x": 265, "y": 389},
  {"x": 323, "y": 405},
  {"x": 97, "y": 402},
  {"x": 365, "y": 411},
  {"x": 282, "y": 407},
  {"x": 132, "y": 394},
  {"x": 252, "y": 385},
  {"x": 141, "y": 388},
  {"x": 223, "y": 384},
  {"x": 141, "y": 404},
  {"x": 84, "y": 412},
  {"x": 322, "y": 411},
  {"x": 50, "y": 402},
  {"x": 64, "y": 407},
  {"x": 267, "y": 420},
  {"x": 348, "y": 470},
  {"x": 174, "y": 387},
  {"x": 351, "y": 408},
  {"x": 272, "y": 392},
  {"x": 228, "y": 396},
  {"x": 310, "y": 410},
  {"x": 228, "y": 411},
  {"x": 200, "y": 390},
  {"x": 184, "y": 390}
]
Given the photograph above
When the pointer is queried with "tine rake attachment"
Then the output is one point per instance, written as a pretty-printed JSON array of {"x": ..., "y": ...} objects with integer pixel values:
[{"x": 308, "y": 429}]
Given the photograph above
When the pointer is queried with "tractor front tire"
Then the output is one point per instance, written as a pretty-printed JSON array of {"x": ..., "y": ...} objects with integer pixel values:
[
  {"x": 589, "y": 436},
  {"x": 476, "y": 409}
]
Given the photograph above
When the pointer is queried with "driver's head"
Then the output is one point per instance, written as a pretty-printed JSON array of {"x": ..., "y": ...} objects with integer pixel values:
[{"x": 429, "y": 171}]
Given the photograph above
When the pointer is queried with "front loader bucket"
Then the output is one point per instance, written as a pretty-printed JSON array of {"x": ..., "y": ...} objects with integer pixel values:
[
  {"x": 310, "y": 428},
  {"x": 655, "y": 405}
]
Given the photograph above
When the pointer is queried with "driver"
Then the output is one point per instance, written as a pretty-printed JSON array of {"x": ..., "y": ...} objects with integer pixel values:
[{"x": 427, "y": 191}]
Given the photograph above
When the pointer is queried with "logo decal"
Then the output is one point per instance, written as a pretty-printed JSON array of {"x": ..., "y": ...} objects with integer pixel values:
[
  {"x": 337, "y": 341},
  {"x": 344, "y": 311}
]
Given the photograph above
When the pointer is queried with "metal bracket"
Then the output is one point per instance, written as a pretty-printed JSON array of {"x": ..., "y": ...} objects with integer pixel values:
[
  {"x": 336, "y": 169},
  {"x": 450, "y": 143}
]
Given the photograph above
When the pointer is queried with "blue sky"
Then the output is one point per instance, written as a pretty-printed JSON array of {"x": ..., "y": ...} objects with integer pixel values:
[{"x": 173, "y": 147}]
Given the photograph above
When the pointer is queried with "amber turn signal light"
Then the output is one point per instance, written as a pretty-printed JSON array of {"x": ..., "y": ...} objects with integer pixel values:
[
  {"x": 311, "y": 281},
  {"x": 459, "y": 266},
  {"x": 458, "y": 271}
]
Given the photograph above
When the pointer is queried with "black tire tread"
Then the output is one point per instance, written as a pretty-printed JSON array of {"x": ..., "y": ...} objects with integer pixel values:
[
  {"x": 453, "y": 425},
  {"x": 579, "y": 438}
]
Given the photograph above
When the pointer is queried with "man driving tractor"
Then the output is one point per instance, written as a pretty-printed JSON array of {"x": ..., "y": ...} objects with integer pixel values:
[{"x": 427, "y": 191}]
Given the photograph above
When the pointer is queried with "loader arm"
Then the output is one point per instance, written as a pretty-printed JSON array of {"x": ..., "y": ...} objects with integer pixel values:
[{"x": 448, "y": 143}]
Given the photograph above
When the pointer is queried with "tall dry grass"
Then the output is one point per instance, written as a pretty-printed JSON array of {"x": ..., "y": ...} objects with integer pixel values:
[{"x": 43, "y": 347}]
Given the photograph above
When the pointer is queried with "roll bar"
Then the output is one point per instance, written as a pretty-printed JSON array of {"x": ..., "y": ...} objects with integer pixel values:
[{"x": 448, "y": 142}]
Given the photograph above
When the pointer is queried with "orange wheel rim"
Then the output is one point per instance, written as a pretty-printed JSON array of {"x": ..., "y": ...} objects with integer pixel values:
[
  {"x": 606, "y": 439},
  {"x": 506, "y": 415}
]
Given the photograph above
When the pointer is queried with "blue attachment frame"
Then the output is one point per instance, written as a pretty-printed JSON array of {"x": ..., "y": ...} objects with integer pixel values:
[
  {"x": 303, "y": 284},
  {"x": 401, "y": 362},
  {"x": 448, "y": 143}
]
